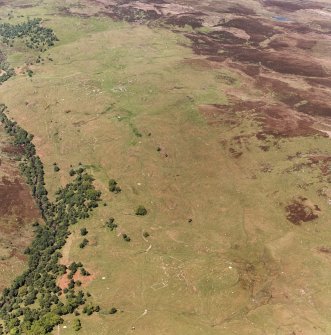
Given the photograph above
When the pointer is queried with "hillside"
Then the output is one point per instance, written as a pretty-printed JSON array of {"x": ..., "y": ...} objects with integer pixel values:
[{"x": 212, "y": 115}]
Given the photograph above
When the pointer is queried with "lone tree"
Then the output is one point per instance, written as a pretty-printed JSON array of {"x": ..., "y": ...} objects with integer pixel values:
[
  {"x": 72, "y": 172},
  {"x": 141, "y": 210},
  {"x": 146, "y": 234},
  {"x": 113, "y": 310},
  {"x": 126, "y": 238},
  {"x": 84, "y": 243}
]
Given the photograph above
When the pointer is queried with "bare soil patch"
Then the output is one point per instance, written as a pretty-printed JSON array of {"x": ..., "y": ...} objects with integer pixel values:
[{"x": 64, "y": 281}]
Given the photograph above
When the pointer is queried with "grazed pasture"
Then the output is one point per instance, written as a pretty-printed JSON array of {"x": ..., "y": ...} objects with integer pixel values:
[{"x": 220, "y": 152}]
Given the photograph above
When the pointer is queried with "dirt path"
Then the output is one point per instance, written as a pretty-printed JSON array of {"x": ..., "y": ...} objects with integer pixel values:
[{"x": 66, "y": 250}]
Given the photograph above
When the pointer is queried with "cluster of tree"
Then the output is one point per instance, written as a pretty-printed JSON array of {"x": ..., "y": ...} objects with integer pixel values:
[
  {"x": 32, "y": 32},
  {"x": 6, "y": 72},
  {"x": 90, "y": 309},
  {"x": 113, "y": 187},
  {"x": 73, "y": 267},
  {"x": 77, "y": 325},
  {"x": 111, "y": 224},
  {"x": 34, "y": 303}
]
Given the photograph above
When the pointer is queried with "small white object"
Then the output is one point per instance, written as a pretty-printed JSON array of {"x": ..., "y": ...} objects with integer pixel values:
[
  {"x": 64, "y": 327},
  {"x": 139, "y": 184},
  {"x": 230, "y": 267},
  {"x": 103, "y": 278}
]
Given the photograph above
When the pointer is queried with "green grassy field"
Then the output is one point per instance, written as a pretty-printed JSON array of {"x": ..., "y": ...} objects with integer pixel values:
[{"x": 114, "y": 93}]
